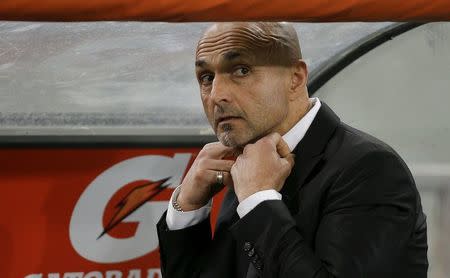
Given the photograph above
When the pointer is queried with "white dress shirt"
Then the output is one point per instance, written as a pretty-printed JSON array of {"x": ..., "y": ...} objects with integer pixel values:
[{"x": 179, "y": 220}]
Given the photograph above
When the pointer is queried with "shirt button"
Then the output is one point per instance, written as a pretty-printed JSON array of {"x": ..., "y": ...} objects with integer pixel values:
[{"x": 247, "y": 246}]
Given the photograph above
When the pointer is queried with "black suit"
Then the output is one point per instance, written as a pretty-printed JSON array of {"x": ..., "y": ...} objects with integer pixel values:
[{"x": 350, "y": 208}]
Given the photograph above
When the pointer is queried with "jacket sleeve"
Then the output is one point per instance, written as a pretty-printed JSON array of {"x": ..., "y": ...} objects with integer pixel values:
[
  {"x": 181, "y": 250},
  {"x": 367, "y": 218}
]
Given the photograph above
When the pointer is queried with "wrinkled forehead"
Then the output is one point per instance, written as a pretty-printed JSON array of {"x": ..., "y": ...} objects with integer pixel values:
[{"x": 258, "y": 43}]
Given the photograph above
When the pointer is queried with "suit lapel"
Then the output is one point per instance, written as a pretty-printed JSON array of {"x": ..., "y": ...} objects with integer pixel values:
[{"x": 309, "y": 153}]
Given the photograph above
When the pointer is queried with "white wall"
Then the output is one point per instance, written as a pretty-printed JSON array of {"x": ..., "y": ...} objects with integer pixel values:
[{"x": 400, "y": 92}]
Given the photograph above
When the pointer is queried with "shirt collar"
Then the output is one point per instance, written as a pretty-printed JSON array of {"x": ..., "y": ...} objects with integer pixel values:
[{"x": 298, "y": 131}]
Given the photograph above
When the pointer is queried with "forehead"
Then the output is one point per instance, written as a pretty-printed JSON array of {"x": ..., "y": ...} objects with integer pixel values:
[{"x": 230, "y": 42}]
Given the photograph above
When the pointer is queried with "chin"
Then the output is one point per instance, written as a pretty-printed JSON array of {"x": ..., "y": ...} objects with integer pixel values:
[{"x": 231, "y": 140}]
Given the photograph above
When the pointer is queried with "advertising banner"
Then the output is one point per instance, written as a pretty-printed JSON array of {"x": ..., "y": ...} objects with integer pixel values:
[{"x": 86, "y": 213}]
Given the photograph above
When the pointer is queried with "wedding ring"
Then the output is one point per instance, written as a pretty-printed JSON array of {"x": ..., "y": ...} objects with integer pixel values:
[{"x": 219, "y": 177}]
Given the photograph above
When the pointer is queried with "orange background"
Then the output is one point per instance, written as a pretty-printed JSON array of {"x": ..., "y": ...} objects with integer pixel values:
[
  {"x": 226, "y": 10},
  {"x": 39, "y": 189}
]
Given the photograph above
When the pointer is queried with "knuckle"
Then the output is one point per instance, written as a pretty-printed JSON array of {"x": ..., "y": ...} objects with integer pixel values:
[
  {"x": 204, "y": 150},
  {"x": 265, "y": 141},
  {"x": 201, "y": 164},
  {"x": 208, "y": 147},
  {"x": 233, "y": 170},
  {"x": 287, "y": 168},
  {"x": 248, "y": 148},
  {"x": 202, "y": 153}
]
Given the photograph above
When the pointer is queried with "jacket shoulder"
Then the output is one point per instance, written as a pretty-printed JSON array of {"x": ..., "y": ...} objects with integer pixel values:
[{"x": 350, "y": 144}]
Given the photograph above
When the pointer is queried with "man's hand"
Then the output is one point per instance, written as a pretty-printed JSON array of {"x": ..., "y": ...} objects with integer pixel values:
[
  {"x": 199, "y": 185},
  {"x": 263, "y": 165}
]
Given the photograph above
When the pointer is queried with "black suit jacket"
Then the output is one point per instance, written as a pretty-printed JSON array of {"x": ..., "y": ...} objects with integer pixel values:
[{"x": 350, "y": 208}]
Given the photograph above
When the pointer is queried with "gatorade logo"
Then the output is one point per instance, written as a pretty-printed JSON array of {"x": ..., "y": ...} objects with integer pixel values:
[{"x": 115, "y": 218}]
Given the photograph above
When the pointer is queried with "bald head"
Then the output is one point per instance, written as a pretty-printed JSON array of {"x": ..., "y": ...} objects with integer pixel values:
[
  {"x": 252, "y": 80},
  {"x": 269, "y": 43}
]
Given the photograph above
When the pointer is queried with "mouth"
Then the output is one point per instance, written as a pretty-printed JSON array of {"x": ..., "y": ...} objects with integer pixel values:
[{"x": 221, "y": 120}]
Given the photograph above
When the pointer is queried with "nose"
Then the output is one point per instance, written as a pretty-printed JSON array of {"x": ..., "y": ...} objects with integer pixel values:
[{"x": 220, "y": 90}]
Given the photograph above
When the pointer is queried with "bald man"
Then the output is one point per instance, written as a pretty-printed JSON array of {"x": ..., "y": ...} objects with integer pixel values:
[{"x": 308, "y": 196}]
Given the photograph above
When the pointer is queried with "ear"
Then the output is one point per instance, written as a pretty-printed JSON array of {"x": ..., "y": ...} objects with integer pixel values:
[{"x": 299, "y": 78}]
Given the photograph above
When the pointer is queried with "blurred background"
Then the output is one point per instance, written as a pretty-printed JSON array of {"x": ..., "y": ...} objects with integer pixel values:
[{"x": 64, "y": 81}]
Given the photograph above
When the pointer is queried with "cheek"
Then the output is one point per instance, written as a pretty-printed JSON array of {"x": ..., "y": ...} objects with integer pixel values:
[
  {"x": 272, "y": 97},
  {"x": 269, "y": 108},
  {"x": 278, "y": 94},
  {"x": 207, "y": 107}
]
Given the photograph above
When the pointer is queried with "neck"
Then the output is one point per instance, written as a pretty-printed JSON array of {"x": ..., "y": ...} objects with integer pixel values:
[{"x": 296, "y": 111}]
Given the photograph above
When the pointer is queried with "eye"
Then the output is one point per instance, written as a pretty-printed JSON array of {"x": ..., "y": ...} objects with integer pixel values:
[
  {"x": 241, "y": 71},
  {"x": 206, "y": 79}
]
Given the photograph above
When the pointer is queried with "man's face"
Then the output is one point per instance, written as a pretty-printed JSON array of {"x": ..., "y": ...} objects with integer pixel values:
[{"x": 244, "y": 95}]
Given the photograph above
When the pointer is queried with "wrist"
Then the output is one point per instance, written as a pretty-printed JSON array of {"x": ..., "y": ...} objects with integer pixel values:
[
  {"x": 249, "y": 203},
  {"x": 180, "y": 204},
  {"x": 241, "y": 196}
]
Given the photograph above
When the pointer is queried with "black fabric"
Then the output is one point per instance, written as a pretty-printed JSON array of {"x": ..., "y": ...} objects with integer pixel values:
[{"x": 350, "y": 208}]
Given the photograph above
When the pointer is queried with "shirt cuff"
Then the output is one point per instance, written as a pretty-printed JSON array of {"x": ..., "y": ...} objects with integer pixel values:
[
  {"x": 255, "y": 199},
  {"x": 177, "y": 220}
]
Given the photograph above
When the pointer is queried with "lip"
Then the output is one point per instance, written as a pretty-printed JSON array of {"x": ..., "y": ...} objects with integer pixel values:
[{"x": 226, "y": 119}]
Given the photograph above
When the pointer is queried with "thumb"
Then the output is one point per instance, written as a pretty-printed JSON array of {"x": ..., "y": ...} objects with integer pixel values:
[
  {"x": 283, "y": 148},
  {"x": 281, "y": 145}
]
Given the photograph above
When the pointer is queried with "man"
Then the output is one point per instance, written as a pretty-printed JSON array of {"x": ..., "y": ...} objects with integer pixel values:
[{"x": 343, "y": 204}]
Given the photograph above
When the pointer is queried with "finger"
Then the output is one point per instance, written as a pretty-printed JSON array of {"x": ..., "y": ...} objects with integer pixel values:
[
  {"x": 211, "y": 176},
  {"x": 281, "y": 145},
  {"x": 216, "y": 187},
  {"x": 290, "y": 159},
  {"x": 216, "y": 164},
  {"x": 217, "y": 150},
  {"x": 234, "y": 154},
  {"x": 283, "y": 148},
  {"x": 246, "y": 149},
  {"x": 227, "y": 179}
]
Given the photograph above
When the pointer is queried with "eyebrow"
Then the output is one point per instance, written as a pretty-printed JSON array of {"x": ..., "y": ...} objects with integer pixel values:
[{"x": 200, "y": 63}]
